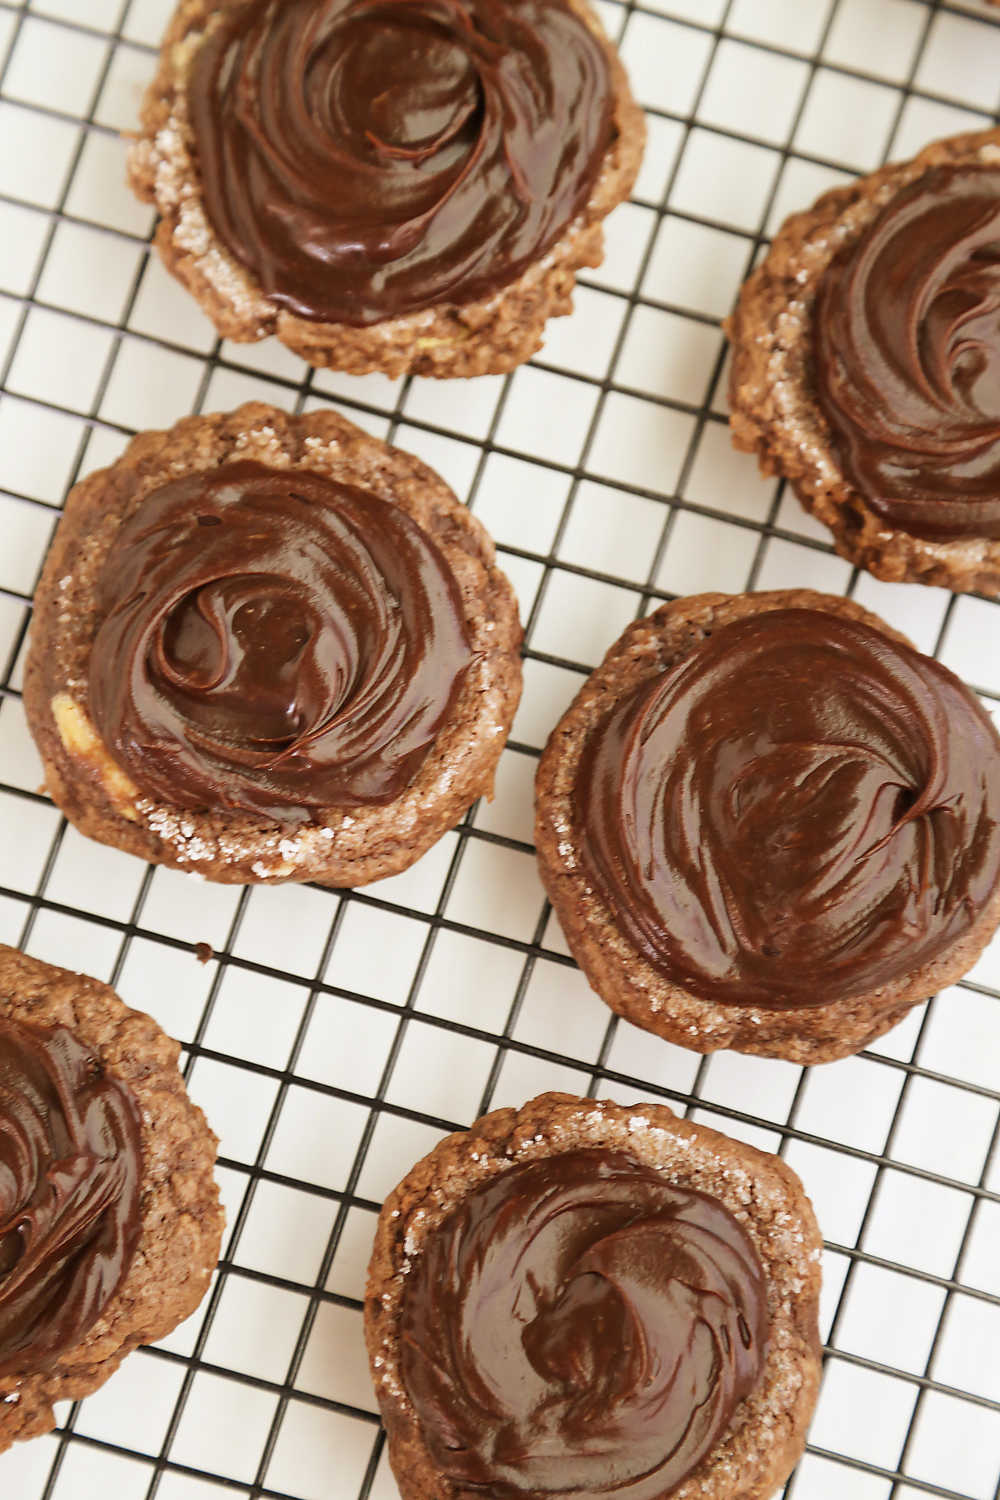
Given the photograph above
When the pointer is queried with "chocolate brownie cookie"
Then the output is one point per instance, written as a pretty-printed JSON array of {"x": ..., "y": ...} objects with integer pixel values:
[
  {"x": 768, "y": 823},
  {"x": 109, "y": 1215},
  {"x": 269, "y": 648},
  {"x": 866, "y": 351},
  {"x": 405, "y": 189},
  {"x": 578, "y": 1298}
]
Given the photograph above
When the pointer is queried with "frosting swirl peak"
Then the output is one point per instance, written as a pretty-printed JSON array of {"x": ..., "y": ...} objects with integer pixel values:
[
  {"x": 369, "y": 158},
  {"x": 579, "y": 1327},
  {"x": 70, "y": 1175},
  {"x": 274, "y": 641},
  {"x": 799, "y": 811},
  {"x": 907, "y": 342}
]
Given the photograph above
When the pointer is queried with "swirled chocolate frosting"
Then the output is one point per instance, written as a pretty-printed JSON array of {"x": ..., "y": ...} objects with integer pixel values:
[
  {"x": 800, "y": 811},
  {"x": 579, "y": 1327},
  {"x": 907, "y": 341},
  {"x": 70, "y": 1174},
  {"x": 275, "y": 642},
  {"x": 368, "y": 158}
]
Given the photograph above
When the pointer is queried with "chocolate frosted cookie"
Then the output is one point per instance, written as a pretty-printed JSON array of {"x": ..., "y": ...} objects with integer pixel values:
[
  {"x": 109, "y": 1216},
  {"x": 385, "y": 187},
  {"x": 866, "y": 365},
  {"x": 270, "y": 647},
  {"x": 768, "y": 823},
  {"x": 577, "y": 1299}
]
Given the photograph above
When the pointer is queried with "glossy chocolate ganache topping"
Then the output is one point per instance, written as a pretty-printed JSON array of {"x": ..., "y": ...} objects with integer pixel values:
[
  {"x": 70, "y": 1175},
  {"x": 580, "y": 1327},
  {"x": 275, "y": 642},
  {"x": 907, "y": 341},
  {"x": 369, "y": 158},
  {"x": 800, "y": 811}
]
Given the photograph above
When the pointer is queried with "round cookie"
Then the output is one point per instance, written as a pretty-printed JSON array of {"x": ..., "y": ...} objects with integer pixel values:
[
  {"x": 765, "y": 1434},
  {"x": 173, "y": 1248},
  {"x": 810, "y": 910},
  {"x": 243, "y": 810},
  {"x": 476, "y": 321},
  {"x": 890, "y": 435}
]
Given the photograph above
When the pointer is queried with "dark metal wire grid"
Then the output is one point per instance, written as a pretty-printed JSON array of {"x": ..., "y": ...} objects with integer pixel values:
[{"x": 549, "y": 564}]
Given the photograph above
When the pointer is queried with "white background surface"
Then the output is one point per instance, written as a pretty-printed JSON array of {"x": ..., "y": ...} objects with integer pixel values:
[{"x": 335, "y": 1038}]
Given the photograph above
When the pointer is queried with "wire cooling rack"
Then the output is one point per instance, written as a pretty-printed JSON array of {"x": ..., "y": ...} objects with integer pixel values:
[{"x": 334, "y": 1037}]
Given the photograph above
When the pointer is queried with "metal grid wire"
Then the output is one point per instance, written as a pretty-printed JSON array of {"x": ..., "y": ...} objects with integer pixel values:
[{"x": 333, "y": 1037}]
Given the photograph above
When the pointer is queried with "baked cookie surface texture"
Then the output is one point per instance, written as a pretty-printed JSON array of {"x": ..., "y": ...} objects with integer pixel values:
[
  {"x": 109, "y": 1215},
  {"x": 386, "y": 187},
  {"x": 268, "y": 647},
  {"x": 578, "y": 1299},
  {"x": 866, "y": 365},
  {"x": 768, "y": 823}
]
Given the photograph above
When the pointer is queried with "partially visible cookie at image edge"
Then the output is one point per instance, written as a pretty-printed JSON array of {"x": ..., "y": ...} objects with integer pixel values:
[
  {"x": 768, "y": 823},
  {"x": 578, "y": 1331},
  {"x": 110, "y": 1223},
  {"x": 430, "y": 225},
  {"x": 268, "y": 647},
  {"x": 865, "y": 365}
]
